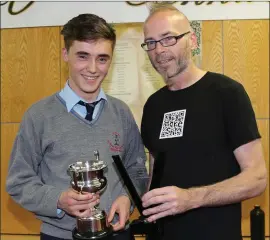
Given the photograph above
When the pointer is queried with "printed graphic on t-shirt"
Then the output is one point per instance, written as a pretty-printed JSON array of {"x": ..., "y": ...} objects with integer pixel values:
[{"x": 173, "y": 124}]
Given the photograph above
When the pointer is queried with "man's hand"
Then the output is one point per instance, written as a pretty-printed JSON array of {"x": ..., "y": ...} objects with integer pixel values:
[
  {"x": 170, "y": 200},
  {"x": 77, "y": 204},
  {"x": 121, "y": 206}
]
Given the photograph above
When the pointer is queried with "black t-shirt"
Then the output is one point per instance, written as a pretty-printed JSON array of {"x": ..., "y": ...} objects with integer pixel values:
[{"x": 192, "y": 134}]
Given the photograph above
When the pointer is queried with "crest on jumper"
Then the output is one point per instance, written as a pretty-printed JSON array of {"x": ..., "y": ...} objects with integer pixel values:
[{"x": 115, "y": 142}]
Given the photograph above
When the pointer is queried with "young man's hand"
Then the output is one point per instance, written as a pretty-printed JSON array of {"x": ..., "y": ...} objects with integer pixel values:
[
  {"x": 77, "y": 204},
  {"x": 121, "y": 206}
]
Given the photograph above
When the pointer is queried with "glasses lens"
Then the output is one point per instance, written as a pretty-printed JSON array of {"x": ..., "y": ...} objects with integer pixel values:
[
  {"x": 168, "y": 41},
  {"x": 151, "y": 45}
]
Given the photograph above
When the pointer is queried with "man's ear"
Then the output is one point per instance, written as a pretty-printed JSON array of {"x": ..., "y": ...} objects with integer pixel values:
[
  {"x": 194, "y": 42},
  {"x": 65, "y": 54}
]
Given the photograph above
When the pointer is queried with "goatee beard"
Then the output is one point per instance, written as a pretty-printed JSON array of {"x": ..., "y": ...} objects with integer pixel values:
[{"x": 180, "y": 67}]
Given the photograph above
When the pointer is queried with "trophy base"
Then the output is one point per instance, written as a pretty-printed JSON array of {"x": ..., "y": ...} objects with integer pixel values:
[{"x": 92, "y": 235}]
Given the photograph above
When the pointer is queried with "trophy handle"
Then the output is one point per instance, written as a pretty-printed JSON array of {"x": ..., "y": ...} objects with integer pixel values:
[{"x": 96, "y": 153}]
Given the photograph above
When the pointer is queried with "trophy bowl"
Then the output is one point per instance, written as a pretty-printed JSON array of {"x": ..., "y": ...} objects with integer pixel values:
[{"x": 88, "y": 177}]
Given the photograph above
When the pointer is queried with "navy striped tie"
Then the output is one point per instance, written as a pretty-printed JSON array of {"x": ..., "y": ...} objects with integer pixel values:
[{"x": 89, "y": 108}]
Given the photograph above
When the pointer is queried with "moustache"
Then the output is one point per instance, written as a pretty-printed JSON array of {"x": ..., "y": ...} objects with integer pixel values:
[{"x": 163, "y": 57}]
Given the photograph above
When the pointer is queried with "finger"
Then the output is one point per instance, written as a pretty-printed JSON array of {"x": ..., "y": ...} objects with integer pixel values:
[
  {"x": 93, "y": 200},
  {"x": 92, "y": 204},
  {"x": 111, "y": 213},
  {"x": 158, "y": 216},
  {"x": 92, "y": 194},
  {"x": 157, "y": 200},
  {"x": 155, "y": 192},
  {"x": 80, "y": 207},
  {"x": 122, "y": 219},
  {"x": 116, "y": 226},
  {"x": 74, "y": 202},
  {"x": 157, "y": 209},
  {"x": 81, "y": 197}
]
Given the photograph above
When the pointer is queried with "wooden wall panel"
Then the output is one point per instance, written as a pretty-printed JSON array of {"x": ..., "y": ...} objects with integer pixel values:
[
  {"x": 29, "y": 237},
  {"x": 262, "y": 200},
  {"x": 246, "y": 59},
  {"x": 14, "y": 219},
  {"x": 212, "y": 46},
  {"x": 30, "y": 68},
  {"x": 63, "y": 65},
  {"x": 20, "y": 237}
]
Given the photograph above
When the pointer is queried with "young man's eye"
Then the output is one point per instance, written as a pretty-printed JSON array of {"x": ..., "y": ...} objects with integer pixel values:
[
  {"x": 103, "y": 60},
  {"x": 82, "y": 57}
]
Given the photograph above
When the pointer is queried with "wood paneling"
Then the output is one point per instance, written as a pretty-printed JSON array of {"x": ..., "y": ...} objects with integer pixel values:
[
  {"x": 64, "y": 65},
  {"x": 19, "y": 237},
  {"x": 28, "y": 237},
  {"x": 14, "y": 219},
  {"x": 262, "y": 200},
  {"x": 246, "y": 59},
  {"x": 30, "y": 68},
  {"x": 212, "y": 46},
  {"x": 135, "y": 214}
]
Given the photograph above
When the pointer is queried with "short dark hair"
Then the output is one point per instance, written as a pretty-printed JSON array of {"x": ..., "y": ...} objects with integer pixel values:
[{"x": 86, "y": 27}]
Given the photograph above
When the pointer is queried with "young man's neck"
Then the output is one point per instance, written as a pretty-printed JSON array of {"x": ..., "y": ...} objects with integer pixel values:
[
  {"x": 88, "y": 97},
  {"x": 186, "y": 78}
]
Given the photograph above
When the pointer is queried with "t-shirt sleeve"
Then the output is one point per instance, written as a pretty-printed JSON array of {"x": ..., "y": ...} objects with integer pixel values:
[{"x": 240, "y": 120}]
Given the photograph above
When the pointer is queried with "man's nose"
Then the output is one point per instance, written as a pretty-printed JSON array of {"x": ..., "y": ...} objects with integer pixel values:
[
  {"x": 159, "y": 48},
  {"x": 92, "y": 66}
]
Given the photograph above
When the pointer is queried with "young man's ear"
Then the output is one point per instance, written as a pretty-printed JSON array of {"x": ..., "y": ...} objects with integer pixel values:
[{"x": 65, "y": 54}]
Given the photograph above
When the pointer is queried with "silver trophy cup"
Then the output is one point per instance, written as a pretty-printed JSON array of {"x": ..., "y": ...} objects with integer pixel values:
[{"x": 88, "y": 177}]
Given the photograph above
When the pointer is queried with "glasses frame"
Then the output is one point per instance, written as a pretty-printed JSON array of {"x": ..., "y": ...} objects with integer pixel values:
[{"x": 160, "y": 41}]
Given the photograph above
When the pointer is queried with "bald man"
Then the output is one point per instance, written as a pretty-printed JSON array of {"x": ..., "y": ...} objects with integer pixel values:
[{"x": 200, "y": 129}]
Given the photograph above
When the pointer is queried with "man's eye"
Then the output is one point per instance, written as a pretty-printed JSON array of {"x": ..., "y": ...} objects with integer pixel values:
[
  {"x": 168, "y": 39},
  {"x": 150, "y": 43}
]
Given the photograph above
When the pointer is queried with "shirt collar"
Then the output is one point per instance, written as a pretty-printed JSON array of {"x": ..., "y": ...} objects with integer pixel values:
[{"x": 71, "y": 98}]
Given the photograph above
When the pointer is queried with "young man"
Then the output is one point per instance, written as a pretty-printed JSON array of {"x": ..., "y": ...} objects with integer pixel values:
[
  {"x": 204, "y": 142},
  {"x": 65, "y": 128}
]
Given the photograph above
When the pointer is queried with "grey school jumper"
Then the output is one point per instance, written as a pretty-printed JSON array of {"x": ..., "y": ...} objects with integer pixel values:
[{"x": 50, "y": 138}]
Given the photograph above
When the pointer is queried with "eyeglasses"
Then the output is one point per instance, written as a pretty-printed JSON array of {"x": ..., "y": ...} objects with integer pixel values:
[{"x": 165, "y": 42}]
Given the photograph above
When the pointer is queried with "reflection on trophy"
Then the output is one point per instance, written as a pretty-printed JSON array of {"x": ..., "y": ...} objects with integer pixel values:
[{"x": 88, "y": 177}]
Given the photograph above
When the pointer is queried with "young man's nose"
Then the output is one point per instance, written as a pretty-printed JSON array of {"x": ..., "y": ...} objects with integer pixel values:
[{"x": 92, "y": 66}]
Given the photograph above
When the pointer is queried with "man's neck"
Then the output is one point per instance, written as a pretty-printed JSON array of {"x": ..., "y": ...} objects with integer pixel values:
[{"x": 186, "y": 78}]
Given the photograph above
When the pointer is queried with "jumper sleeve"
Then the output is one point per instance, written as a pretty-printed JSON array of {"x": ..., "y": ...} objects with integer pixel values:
[
  {"x": 23, "y": 182},
  {"x": 135, "y": 157}
]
